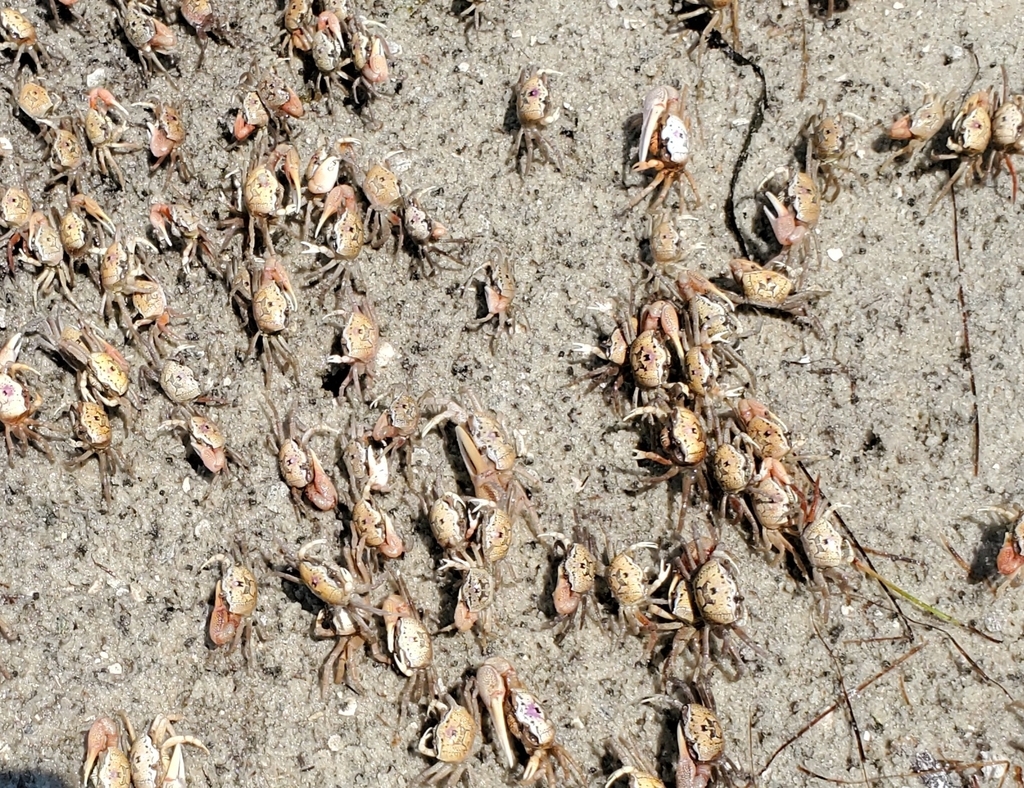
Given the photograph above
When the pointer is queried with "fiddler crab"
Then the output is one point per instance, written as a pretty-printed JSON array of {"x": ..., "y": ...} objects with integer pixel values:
[
  {"x": 17, "y": 406},
  {"x": 450, "y": 741},
  {"x": 716, "y": 10},
  {"x": 298, "y": 464},
  {"x": 205, "y": 439},
  {"x": 574, "y": 592},
  {"x": 491, "y": 457},
  {"x": 155, "y": 758},
  {"x": 636, "y": 766},
  {"x": 175, "y": 220},
  {"x": 475, "y": 606},
  {"x": 149, "y": 36},
  {"x": 345, "y": 616},
  {"x": 362, "y": 349},
  {"x": 499, "y": 291},
  {"x": 234, "y": 602},
  {"x": 517, "y": 713},
  {"x": 703, "y": 599},
  {"x": 102, "y": 372},
  {"x": 664, "y": 145},
  {"x": 264, "y": 293},
  {"x": 91, "y": 427},
  {"x": 19, "y": 36},
  {"x": 535, "y": 110},
  {"x": 267, "y": 100},
  {"x": 260, "y": 197},
  {"x": 632, "y": 591},
  {"x": 104, "y": 134},
  {"x": 1010, "y": 560},
  {"x": 412, "y": 651},
  {"x": 1007, "y": 133},
  {"x": 796, "y": 213},
  {"x": 969, "y": 139},
  {"x": 918, "y": 127},
  {"x": 166, "y": 137}
]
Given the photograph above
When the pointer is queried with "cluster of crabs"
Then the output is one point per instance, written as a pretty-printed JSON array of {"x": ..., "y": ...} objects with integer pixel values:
[{"x": 673, "y": 368}]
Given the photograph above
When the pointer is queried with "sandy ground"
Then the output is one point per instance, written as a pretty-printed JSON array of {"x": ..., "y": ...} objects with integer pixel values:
[{"x": 109, "y": 606}]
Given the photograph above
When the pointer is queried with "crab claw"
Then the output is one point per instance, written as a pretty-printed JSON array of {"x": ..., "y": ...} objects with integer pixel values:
[
  {"x": 490, "y": 686},
  {"x": 158, "y": 216},
  {"x": 655, "y": 105},
  {"x": 94, "y": 210},
  {"x": 334, "y": 200},
  {"x": 97, "y": 95},
  {"x": 782, "y": 221},
  {"x": 293, "y": 106},
  {"x": 103, "y": 735}
]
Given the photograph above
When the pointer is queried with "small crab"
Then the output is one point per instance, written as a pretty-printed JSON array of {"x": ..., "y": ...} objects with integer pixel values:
[
  {"x": 795, "y": 218},
  {"x": 918, "y": 127},
  {"x": 627, "y": 581},
  {"x": 179, "y": 221},
  {"x": 205, "y": 439},
  {"x": 360, "y": 343},
  {"x": 535, "y": 110},
  {"x": 412, "y": 651},
  {"x": 156, "y": 755},
  {"x": 769, "y": 288},
  {"x": 345, "y": 234},
  {"x": 74, "y": 227},
  {"x": 683, "y": 443},
  {"x": 345, "y": 612},
  {"x": 664, "y": 145},
  {"x": 19, "y": 36},
  {"x": 102, "y": 372},
  {"x": 827, "y": 550},
  {"x": 448, "y": 516},
  {"x": 298, "y": 27},
  {"x": 299, "y": 466},
  {"x": 39, "y": 247},
  {"x": 265, "y": 294},
  {"x": 106, "y": 764},
  {"x": 370, "y": 53},
  {"x": 104, "y": 135},
  {"x": 450, "y": 741},
  {"x": 1007, "y": 133},
  {"x": 166, "y": 138},
  {"x": 425, "y": 235},
  {"x": 575, "y": 577},
  {"x": 475, "y": 606},
  {"x": 498, "y": 276},
  {"x": 704, "y": 598},
  {"x": 373, "y": 528},
  {"x": 329, "y": 53},
  {"x": 234, "y": 602},
  {"x": 259, "y": 200},
  {"x": 36, "y": 102},
  {"x": 92, "y": 429},
  {"x": 766, "y": 431},
  {"x": 716, "y": 10},
  {"x": 776, "y": 506},
  {"x": 383, "y": 192},
  {"x": 826, "y": 148},
  {"x": 491, "y": 457},
  {"x": 368, "y": 469},
  {"x": 969, "y": 138},
  {"x": 150, "y": 37},
  {"x": 701, "y": 744},
  {"x": 267, "y": 99},
  {"x": 516, "y": 711},
  {"x": 206, "y": 23},
  {"x": 17, "y": 406}
]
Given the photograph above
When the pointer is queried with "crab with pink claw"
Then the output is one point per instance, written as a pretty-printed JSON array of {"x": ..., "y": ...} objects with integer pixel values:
[
  {"x": 205, "y": 439},
  {"x": 166, "y": 136},
  {"x": 412, "y": 651},
  {"x": 234, "y": 602},
  {"x": 370, "y": 53},
  {"x": 106, "y": 764},
  {"x": 265, "y": 294},
  {"x": 17, "y": 406},
  {"x": 1010, "y": 559},
  {"x": 150, "y": 37},
  {"x": 918, "y": 127},
  {"x": 516, "y": 712},
  {"x": 270, "y": 101},
  {"x": 664, "y": 145},
  {"x": 794, "y": 220}
]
